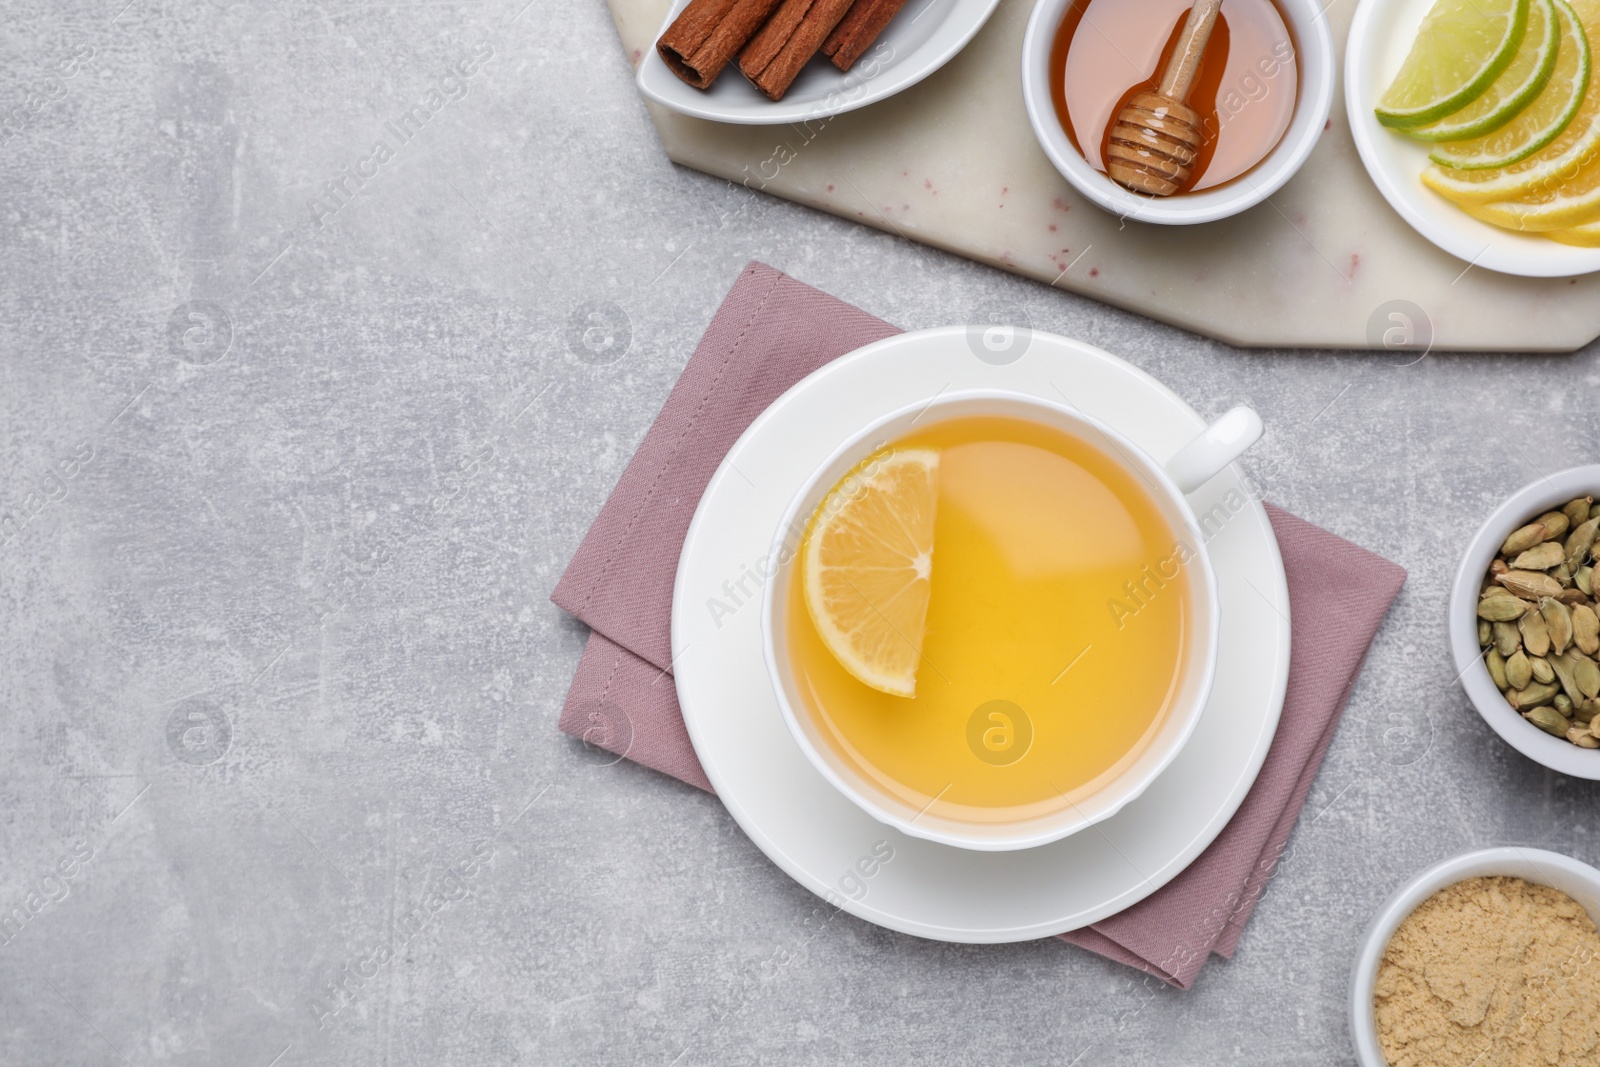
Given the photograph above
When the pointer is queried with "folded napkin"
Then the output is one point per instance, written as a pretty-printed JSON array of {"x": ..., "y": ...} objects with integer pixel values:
[{"x": 770, "y": 332}]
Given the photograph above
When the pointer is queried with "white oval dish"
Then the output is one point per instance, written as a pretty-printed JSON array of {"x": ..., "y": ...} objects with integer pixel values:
[
  {"x": 1316, "y": 64},
  {"x": 921, "y": 38},
  {"x": 1526, "y": 504},
  {"x": 1380, "y": 38},
  {"x": 828, "y": 844},
  {"x": 1579, "y": 881}
]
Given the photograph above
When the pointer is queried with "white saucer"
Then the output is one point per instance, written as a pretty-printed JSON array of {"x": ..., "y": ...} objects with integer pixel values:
[
  {"x": 921, "y": 38},
  {"x": 824, "y": 841},
  {"x": 1380, "y": 39}
]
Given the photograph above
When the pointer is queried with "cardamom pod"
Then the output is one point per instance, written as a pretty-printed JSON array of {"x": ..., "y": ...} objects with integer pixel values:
[
  {"x": 1555, "y": 523},
  {"x": 1519, "y": 672},
  {"x": 1507, "y": 638},
  {"x": 1523, "y": 539},
  {"x": 1535, "y": 633},
  {"x": 1533, "y": 696},
  {"x": 1558, "y": 620},
  {"x": 1577, "y": 511},
  {"x": 1572, "y": 596},
  {"x": 1498, "y": 567},
  {"x": 1565, "y": 668},
  {"x": 1594, "y": 511},
  {"x": 1502, "y": 608},
  {"x": 1585, "y": 629},
  {"x": 1540, "y": 557},
  {"x": 1497, "y": 669},
  {"x": 1485, "y": 632},
  {"x": 1550, "y": 721},
  {"x": 1586, "y": 711},
  {"x": 1542, "y": 671},
  {"x": 1586, "y": 672},
  {"x": 1584, "y": 739},
  {"x": 1580, "y": 541},
  {"x": 1531, "y": 584},
  {"x": 1563, "y": 704},
  {"x": 1583, "y": 578}
]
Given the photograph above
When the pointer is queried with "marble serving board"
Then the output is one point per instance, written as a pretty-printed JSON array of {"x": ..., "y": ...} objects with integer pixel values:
[{"x": 952, "y": 163}]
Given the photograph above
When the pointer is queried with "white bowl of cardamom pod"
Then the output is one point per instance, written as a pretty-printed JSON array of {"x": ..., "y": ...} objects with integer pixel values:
[{"x": 1531, "y": 664}]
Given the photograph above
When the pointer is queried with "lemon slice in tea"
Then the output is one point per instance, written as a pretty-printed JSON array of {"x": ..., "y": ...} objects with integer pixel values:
[
  {"x": 1461, "y": 48},
  {"x": 867, "y": 560},
  {"x": 1551, "y": 166},
  {"x": 1516, "y": 87},
  {"x": 1543, "y": 120}
]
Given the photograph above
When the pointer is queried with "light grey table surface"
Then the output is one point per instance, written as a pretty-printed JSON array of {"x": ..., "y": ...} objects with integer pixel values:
[{"x": 227, "y": 413}]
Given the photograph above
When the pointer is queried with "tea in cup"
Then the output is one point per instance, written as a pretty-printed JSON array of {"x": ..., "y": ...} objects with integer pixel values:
[{"x": 995, "y": 619}]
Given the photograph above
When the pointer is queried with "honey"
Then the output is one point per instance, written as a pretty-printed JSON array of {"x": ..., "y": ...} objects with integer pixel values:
[
  {"x": 1108, "y": 51},
  {"x": 1049, "y": 658}
]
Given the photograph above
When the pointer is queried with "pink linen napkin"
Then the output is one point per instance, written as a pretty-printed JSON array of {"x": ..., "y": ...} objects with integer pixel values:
[{"x": 770, "y": 332}]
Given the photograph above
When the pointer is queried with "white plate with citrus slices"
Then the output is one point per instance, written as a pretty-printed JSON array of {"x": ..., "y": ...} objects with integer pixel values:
[
  {"x": 813, "y": 831},
  {"x": 1479, "y": 121}
]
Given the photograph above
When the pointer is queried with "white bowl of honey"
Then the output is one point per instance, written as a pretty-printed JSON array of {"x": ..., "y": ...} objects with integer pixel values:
[
  {"x": 1262, "y": 90},
  {"x": 1066, "y": 641}
]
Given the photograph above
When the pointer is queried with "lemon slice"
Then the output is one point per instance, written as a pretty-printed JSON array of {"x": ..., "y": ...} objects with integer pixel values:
[
  {"x": 1553, "y": 164},
  {"x": 1542, "y": 121},
  {"x": 867, "y": 561},
  {"x": 1575, "y": 201},
  {"x": 1461, "y": 47},
  {"x": 1513, "y": 90},
  {"x": 1585, "y": 236}
]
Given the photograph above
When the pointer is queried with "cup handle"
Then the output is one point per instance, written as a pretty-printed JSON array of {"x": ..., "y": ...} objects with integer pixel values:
[{"x": 1217, "y": 446}]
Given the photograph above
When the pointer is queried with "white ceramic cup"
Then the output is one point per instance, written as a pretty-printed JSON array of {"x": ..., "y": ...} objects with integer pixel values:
[
  {"x": 1579, "y": 881},
  {"x": 1314, "y": 60},
  {"x": 1526, "y": 504},
  {"x": 1166, "y": 483}
]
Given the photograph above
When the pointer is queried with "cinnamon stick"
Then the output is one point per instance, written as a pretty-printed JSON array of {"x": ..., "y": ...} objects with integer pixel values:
[
  {"x": 775, "y": 56},
  {"x": 709, "y": 33},
  {"x": 861, "y": 26}
]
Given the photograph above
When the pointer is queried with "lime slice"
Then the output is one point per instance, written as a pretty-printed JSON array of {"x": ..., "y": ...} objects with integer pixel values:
[
  {"x": 1542, "y": 121},
  {"x": 1546, "y": 171},
  {"x": 1515, "y": 89},
  {"x": 1461, "y": 48}
]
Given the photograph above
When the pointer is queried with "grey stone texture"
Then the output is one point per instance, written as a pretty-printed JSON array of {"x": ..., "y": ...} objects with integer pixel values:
[{"x": 291, "y": 475}]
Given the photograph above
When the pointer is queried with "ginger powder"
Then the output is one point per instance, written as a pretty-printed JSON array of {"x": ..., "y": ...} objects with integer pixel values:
[{"x": 1491, "y": 972}]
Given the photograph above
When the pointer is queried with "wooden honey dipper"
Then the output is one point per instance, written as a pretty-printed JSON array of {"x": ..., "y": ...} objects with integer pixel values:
[{"x": 1157, "y": 137}]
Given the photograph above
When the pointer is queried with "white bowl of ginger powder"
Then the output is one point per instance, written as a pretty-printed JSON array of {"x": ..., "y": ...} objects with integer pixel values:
[{"x": 1490, "y": 959}]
